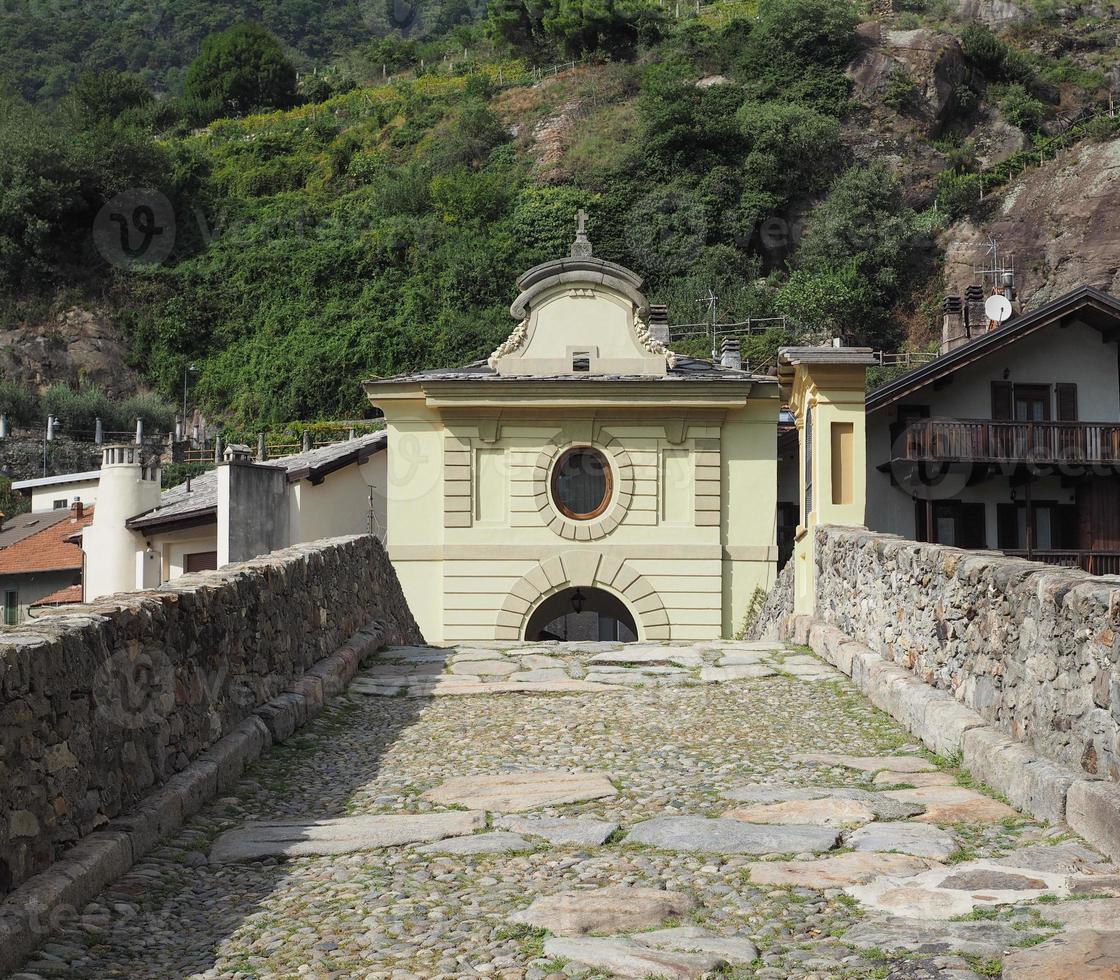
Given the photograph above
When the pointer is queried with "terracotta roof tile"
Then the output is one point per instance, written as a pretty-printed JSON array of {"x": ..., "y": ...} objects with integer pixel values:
[
  {"x": 47, "y": 550},
  {"x": 72, "y": 593}
]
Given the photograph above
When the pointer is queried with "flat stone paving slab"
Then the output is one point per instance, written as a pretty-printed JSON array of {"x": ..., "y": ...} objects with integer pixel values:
[
  {"x": 717, "y": 836},
  {"x": 836, "y": 871},
  {"x": 736, "y": 950},
  {"x": 498, "y": 842},
  {"x": 341, "y": 836},
  {"x": 619, "y": 957},
  {"x": 513, "y": 792},
  {"x": 613, "y": 909},
  {"x": 948, "y": 892},
  {"x": 888, "y": 778},
  {"x": 897, "y": 935},
  {"x": 1101, "y": 914},
  {"x": 881, "y": 806},
  {"x": 739, "y": 672},
  {"x": 920, "y": 839},
  {"x": 561, "y": 830},
  {"x": 870, "y": 763},
  {"x": 1083, "y": 954},
  {"x": 827, "y": 812},
  {"x": 954, "y": 804}
]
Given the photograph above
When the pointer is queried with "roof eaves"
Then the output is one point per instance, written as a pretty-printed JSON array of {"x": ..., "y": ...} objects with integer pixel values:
[{"x": 1016, "y": 329}]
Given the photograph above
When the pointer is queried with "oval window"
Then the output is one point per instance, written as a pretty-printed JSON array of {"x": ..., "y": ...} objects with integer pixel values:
[{"x": 581, "y": 484}]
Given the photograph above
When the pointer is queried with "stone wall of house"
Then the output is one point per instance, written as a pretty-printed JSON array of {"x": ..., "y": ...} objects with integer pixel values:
[
  {"x": 100, "y": 704},
  {"x": 1032, "y": 648},
  {"x": 777, "y": 608}
]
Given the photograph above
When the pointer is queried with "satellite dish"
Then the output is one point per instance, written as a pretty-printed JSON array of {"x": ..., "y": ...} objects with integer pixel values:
[{"x": 997, "y": 308}]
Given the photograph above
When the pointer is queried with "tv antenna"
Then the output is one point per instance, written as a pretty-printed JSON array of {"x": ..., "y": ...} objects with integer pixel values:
[
  {"x": 999, "y": 271},
  {"x": 710, "y": 302}
]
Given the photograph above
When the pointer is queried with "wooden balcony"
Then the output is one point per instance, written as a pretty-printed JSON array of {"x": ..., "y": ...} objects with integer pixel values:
[
  {"x": 987, "y": 441},
  {"x": 1094, "y": 562}
]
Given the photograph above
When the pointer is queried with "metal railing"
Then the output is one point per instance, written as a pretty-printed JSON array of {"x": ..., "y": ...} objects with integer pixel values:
[
  {"x": 1094, "y": 562},
  {"x": 981, "y": 440}
]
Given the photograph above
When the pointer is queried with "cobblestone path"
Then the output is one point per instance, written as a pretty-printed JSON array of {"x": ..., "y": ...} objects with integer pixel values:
[{"x": 671, "y": 813}]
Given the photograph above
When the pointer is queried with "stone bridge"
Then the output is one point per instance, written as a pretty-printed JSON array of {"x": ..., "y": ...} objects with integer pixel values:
[{"x": 537, "y": 811}]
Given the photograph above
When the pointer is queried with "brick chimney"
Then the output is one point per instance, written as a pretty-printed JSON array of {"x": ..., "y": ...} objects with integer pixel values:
[
  {"x": 659, "y": 322},
  {"x": 954, "y": 334},
  {"x": 77, "y": 509},
  {"x": 731, "y": 355}
]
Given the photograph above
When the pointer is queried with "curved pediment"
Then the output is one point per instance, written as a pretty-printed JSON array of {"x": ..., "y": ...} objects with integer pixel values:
[{"x": 580, "y": 315}]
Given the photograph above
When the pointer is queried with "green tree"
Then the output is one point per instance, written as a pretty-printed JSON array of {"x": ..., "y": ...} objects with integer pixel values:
[
  {"x": 107, "y": 95},
  {"x": 798, "y": 49},
  {"x": 241, "y": 69},
  {"x": 793, "y": 151}
]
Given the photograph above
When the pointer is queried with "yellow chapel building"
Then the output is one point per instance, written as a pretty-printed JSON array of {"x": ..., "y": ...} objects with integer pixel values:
[{"x": 584, "y": 468}]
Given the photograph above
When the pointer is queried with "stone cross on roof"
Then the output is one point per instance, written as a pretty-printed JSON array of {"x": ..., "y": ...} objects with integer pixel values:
[{"x": 581, "y": 247}]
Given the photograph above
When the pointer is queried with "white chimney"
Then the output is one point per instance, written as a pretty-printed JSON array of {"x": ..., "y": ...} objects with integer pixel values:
[{"x": 128, "y": 486}]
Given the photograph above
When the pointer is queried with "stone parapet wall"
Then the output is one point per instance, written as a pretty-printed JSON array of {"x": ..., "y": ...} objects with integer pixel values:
[
  {"x": 1033, "y": 649},
  {"x": 103, "y": 703},
  {"x": 776, "y": 610}
]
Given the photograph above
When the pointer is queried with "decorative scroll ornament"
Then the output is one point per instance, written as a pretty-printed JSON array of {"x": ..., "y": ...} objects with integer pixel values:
[
  {"x": 641, "y": 331},
  {"x": 510, "y": 344}
]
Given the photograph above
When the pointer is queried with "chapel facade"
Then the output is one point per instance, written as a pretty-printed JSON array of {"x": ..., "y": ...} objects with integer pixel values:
[{"x": 583, "y": 469}]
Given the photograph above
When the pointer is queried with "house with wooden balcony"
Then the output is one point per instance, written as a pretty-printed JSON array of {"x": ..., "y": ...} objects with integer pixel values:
[{"x": 1010, "y": 440}]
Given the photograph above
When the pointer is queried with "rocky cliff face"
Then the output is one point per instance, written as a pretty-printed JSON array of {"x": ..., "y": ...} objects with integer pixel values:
[
  {"x": 1058, "y": 220},
  {"x": 78, "y": 345}
]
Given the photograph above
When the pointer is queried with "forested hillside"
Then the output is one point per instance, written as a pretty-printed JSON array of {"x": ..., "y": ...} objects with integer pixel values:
[{"x": 799, "y": 158}]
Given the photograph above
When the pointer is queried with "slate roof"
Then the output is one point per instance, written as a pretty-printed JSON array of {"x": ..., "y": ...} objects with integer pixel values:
[
  {"x": 50, "y": 481},
  {"x": 1099, "y": 309},
  {"x": 181, "y": 506},
  {"x": 50, "y": 549},
  {"x": 685, "y": 369},
  {"x": 24, "y": 525}
]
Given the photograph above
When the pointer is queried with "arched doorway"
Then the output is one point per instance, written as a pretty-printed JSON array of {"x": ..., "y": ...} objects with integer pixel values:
[{"x": 581, "y": 614}]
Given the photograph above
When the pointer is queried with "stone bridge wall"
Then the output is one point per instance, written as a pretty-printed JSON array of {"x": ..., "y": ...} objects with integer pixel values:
[
  {"x": 1033, "y": 649},
  {"x": 100, "y": 704}
]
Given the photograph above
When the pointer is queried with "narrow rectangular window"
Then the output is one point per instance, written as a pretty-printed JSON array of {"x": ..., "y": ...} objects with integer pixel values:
[
  {"x": 491, "y": 486},
  {"x": 676, "y": 486},
  {"x": 11, "y": 607},
  {"x": 843, "y": 453},
  {"x": 60, "y": 504},
  {"x": 808, "y": 466}
]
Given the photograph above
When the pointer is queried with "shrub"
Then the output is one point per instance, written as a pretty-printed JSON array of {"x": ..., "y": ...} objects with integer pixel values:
[
  {"x": 958, "y": 193},
  {"x": 20, "y": 404},
  {"x": 900, "y": 92},
  {"x": 1022, "y": 109}
]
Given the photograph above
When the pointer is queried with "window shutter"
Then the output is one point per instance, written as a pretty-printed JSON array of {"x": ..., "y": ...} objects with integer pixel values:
[
  {"x": 1067, "y": 402},
  {"x": 1001, "y": 400}
]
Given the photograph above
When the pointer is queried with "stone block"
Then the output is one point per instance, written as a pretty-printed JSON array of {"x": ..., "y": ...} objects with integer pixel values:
[
  {"x": 1029, "y": 781},
  {"x": 1093, "y": 811},
  {"x": 943, "y": 724},
  {"x": 95, "y": 862}
]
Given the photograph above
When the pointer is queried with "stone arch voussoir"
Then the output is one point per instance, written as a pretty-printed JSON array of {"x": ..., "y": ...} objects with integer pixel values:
[{"x": 586, "y": 569}]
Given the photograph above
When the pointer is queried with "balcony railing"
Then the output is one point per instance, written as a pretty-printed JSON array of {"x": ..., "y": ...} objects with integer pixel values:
[
  {"x": 1095, "y": 562},
  {"x": 987, "y": 441}
]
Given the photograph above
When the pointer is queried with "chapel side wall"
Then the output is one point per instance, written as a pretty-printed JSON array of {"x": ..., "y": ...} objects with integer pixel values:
[
  {"x": 749, "y": 508},
  {"x": 1032, "y": 648},
  {"x": 414, "y": 482},
  {"x": 81, "y": 744}
]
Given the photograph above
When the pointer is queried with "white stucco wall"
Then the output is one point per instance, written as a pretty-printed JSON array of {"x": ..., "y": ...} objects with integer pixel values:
[
  {"x": 43, "y": 498},
  {"x": 340, "y": 504}
]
